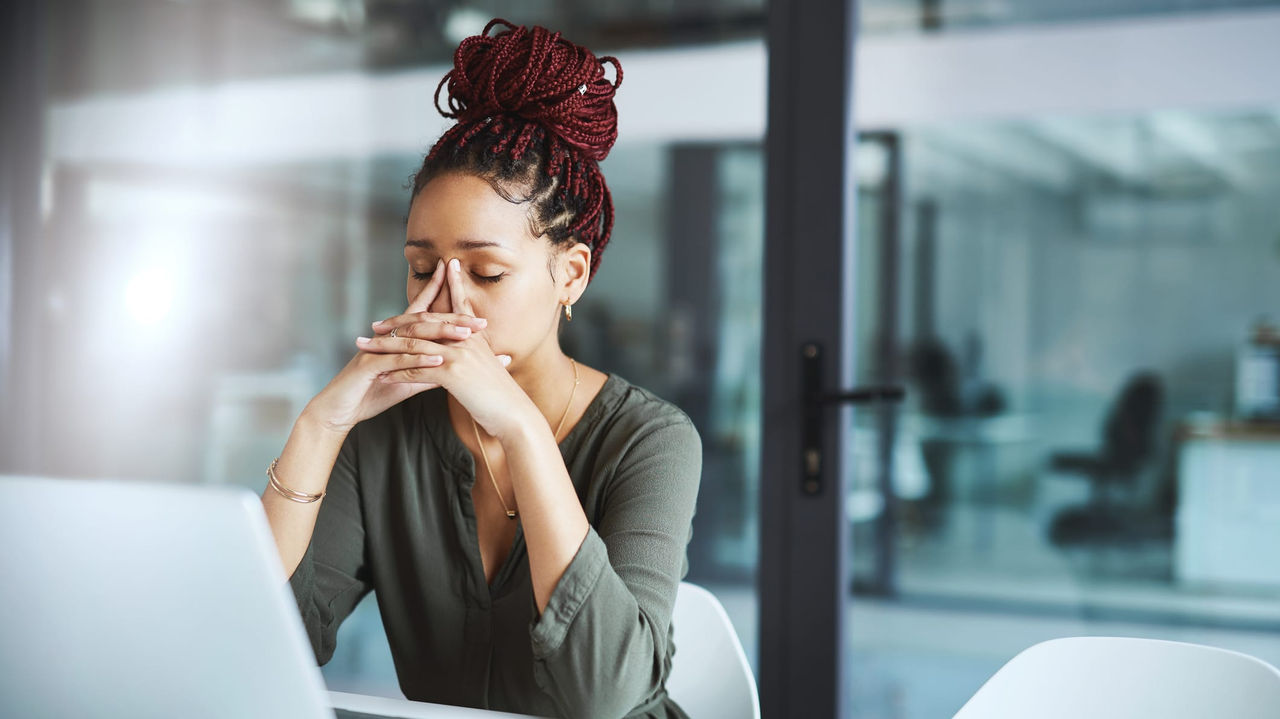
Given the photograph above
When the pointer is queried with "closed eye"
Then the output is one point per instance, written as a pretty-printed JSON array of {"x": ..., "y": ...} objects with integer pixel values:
[{"x": 491, "y": 279}]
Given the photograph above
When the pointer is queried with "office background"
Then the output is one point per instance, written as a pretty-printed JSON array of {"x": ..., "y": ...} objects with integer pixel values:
[{"x": 1070, "y": 204}]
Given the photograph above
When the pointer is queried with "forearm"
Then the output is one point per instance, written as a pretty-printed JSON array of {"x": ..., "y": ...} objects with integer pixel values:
[
  {"x": 553, "y": 520},
  {"x": 600, "y": 641},
  {"x": 305, "y": 465},
  {"x": 608, "y": 658}
]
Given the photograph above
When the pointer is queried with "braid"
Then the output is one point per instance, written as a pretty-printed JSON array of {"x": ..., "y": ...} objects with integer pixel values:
[{"x": 535, "y": 116}]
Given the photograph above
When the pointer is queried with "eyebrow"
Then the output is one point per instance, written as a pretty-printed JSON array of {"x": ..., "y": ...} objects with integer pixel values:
[{"x": 461, "y": 245}]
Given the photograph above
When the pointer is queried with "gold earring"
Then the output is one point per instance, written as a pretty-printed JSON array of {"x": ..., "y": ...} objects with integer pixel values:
[{"x": 568, "y": 312}]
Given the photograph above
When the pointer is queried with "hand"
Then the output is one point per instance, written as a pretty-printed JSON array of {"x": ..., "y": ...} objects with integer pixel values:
[
  {"x": 471, "y": 372},
  {"x": 355, "y": 394}
]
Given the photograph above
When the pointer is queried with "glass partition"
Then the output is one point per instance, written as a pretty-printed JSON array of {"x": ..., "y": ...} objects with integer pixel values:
[
  {"x": 214, "y": 285},
  {"x": 1088, "y": 335}
]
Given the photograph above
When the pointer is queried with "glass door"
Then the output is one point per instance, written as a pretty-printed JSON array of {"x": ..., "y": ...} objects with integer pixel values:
[
  {"x": 1080, "y": 299},
  {"x": 1084, "y": 447}
]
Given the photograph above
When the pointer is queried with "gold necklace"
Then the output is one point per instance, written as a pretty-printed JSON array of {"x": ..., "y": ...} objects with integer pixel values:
[{"x": 511, "y": 513}]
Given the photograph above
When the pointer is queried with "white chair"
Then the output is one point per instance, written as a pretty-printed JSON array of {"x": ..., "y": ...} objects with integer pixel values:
[
  {"x": 710, "y": 676},
  {"x": 1115, "y": 678}
]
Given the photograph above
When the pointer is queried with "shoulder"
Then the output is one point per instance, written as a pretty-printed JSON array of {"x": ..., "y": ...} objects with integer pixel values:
[
  {"x": 638, "y": 408},
  {"x": 649, "y": 454},
  {"x": 638, "y": 420}
]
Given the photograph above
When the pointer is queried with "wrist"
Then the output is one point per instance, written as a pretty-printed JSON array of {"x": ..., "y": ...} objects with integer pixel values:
[
  {"x": 315, "y": 423},
  {"x": 524, "y": 424}
]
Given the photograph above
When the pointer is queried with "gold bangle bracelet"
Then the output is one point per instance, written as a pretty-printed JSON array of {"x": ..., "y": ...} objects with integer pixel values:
[
  {"x": 284, "y": 491},
  {"x": 290, "y": 493}
]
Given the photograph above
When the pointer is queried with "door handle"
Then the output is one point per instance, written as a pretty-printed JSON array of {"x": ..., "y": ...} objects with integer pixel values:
[{"x": 816, "y": 400}]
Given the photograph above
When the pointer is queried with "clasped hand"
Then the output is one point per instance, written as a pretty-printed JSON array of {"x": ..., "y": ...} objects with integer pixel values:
[{"x": 429, "y": 350}]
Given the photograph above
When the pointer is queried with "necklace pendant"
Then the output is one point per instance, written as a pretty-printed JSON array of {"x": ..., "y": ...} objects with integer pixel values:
[{"x": 511, "y": 514}]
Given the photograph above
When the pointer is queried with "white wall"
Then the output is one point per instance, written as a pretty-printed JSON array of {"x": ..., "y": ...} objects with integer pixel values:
[{"x": 1223, "y": 60}]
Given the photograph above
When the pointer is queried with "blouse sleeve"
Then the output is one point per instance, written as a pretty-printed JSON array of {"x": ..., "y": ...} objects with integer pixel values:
[
  {"x": 333, "y": 576},
  {"x": 600, "y": 647}
]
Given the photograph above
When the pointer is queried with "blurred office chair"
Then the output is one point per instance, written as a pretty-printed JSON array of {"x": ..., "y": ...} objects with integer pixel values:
[
  {"x": 1128, "y": 448},
  {"x": 1124, "y": 678},
  {"x": 710, "y": 676}
]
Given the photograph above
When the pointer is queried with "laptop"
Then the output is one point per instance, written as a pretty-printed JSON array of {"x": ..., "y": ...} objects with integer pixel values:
[{"x": 132, "y": 600}]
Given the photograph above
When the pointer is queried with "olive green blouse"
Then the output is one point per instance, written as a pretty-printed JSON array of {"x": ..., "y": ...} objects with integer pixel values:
[{"x": 398, "y": 520}]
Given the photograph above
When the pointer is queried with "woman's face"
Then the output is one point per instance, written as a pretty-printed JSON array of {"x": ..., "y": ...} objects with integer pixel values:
[{"x": 510, "y": 276}]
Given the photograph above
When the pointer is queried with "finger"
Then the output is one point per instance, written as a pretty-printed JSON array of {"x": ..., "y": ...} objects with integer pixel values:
[
  {"x": 399, "y": 345},
  {"x": 404, "y": 320},
  {"x": 458, "y": 294},
  {"x": 438, "y": 329},
  {"x": 432, "y": 329},
  {"x": 412, "y": 375},
  {"x": 422, "y": 374},
  {"x": 380, "y": 364},
  {"x": 429, "y": 293},
  {"x": 414, "y": 387}
]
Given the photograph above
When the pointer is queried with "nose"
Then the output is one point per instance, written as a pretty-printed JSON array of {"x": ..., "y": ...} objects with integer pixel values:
[{"x": 443, "y": 303}]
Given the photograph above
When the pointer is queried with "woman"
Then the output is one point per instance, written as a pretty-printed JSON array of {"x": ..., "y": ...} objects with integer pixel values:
[{"x": 522, "y": 517}]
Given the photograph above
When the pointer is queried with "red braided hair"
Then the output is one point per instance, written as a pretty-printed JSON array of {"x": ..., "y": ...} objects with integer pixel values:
[{"x": 535, "y": 115}]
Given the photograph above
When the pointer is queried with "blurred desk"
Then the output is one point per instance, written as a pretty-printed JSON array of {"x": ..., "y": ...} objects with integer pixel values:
[
  {"x": 971, "y": 461},
  {"x": 996, "y": 429},
  {"x": 1228, "y": 516},
  {"x": 361, "y": 704},
  {"x": 970, "y": 464}
]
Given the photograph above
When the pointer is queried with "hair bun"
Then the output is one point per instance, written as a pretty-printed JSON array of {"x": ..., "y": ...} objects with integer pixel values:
[{"x": 539, "y": 76}]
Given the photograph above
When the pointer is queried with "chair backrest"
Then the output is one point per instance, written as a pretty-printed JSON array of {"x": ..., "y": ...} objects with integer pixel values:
[
  {"x": 1129, "y": 434},
  {"x": 1115, "y": 677},
  {"x": 710, "y": 676}
]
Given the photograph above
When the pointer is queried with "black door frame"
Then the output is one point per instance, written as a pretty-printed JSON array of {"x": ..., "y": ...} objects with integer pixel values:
[
  {"x": 809, "y": 227},
  {"x": 23, "y": 281}
]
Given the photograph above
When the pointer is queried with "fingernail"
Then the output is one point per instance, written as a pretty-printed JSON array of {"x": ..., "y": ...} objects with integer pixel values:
[
  {"x": 454, "y": 264},
  {"x": 379, "y": 323},
  {"x": 481, "y": 322},
  {"x": 504, "y": 359},
  {"x": 362, "y": 340},
  {"x": 460, "y": 331}
]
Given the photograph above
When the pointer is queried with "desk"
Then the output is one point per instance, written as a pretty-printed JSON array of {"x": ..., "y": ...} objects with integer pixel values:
[
  {"x": 976, "y": 461},
  {"x": 405, "y": 709},
  {"x": 1228, "y": 517}
]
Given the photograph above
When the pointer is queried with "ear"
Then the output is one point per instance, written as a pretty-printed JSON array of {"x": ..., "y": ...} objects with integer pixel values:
[{"x": 574, "y": 271}]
